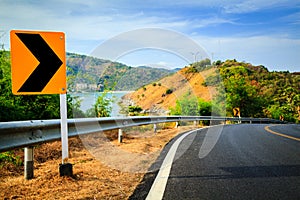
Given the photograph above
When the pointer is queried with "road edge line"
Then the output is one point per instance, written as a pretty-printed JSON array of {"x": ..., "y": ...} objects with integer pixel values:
[{"x": 158, "y": 187}]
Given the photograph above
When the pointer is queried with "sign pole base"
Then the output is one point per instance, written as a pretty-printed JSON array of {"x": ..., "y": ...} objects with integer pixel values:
[{"x": 66, "y": 169}]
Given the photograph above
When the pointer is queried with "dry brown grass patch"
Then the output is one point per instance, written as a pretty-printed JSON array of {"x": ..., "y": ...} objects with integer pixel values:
[{"x": 92, "y": 179}]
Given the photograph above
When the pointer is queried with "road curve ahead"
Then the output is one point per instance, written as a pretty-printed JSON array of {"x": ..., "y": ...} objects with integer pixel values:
[{"x": 245, "y": 161}]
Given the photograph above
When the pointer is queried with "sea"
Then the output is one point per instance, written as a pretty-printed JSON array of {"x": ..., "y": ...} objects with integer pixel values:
[{"x": 88, "y": 99}]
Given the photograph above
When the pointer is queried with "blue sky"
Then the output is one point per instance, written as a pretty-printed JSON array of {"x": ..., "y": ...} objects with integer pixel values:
[{"x": 256, "y": 31}]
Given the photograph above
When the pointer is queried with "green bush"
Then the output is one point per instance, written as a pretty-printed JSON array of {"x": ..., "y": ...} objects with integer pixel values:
[
  {"x": 10, "y": 157},
  {"x": 191, "y": 106},
  {"x": 169, "y": 91},
  {"x": 134, "y": 110}
]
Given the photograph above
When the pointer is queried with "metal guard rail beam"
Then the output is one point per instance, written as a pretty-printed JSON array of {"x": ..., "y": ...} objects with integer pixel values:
[{"x": 20, "y": 134}]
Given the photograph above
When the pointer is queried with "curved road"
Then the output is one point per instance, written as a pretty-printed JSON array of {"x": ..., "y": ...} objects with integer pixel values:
[{"x": 245, "y": 161}]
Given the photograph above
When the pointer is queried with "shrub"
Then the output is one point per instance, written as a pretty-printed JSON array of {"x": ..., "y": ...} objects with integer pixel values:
[
  {"x": 169, "y": 91},
  {"x": 134, "y": 110},
  {"x": 10, "y": 157}
]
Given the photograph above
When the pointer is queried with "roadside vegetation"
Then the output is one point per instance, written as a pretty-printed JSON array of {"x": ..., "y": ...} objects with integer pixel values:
[{"x": 258, "y": 92}]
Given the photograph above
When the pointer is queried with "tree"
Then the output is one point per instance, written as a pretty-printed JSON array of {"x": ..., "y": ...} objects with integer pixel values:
[
  {"x": 103, "y": 105},
  {"x": 185, "y": 106},
  {"x": 191, "y": 106},
  {"x": 204, "y": 107},
  {"x": 240, "y": 93},
  {"x": 285, "y": 104}
]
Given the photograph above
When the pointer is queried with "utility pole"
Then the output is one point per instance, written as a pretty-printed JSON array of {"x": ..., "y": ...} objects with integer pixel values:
[{"x": 195, "y": 55}]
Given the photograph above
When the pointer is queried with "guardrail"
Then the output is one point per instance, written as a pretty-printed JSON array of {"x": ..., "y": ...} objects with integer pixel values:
[
  {"x": 26, "y": 134},
  {"x": 20, "y": 134}
]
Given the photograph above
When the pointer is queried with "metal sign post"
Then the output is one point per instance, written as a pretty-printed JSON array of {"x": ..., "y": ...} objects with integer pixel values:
[{"x": 65, "y": 169}]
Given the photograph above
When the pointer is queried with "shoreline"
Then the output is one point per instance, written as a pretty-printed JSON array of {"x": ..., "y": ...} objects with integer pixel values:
[{"x": 90, "y": 92}]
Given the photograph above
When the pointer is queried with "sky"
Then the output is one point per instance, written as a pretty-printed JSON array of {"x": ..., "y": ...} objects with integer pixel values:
[{"x": 261, "y": 32}]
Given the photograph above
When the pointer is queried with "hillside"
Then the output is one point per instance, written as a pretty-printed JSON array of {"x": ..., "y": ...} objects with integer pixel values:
[
  {"x": 87, "y": 73},
  {"x": 159, "y": 96},
  {"x": 256, "y": 91}
]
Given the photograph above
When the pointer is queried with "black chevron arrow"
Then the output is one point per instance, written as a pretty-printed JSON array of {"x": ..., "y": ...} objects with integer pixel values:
[{"x": 48, "y": 66}]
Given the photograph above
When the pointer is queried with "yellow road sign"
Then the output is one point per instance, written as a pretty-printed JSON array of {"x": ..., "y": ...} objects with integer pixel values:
[
  {"x": 38, "y": 62},
  {"x": 281, "y": 118},
  {"x": 236, "y": 112}
]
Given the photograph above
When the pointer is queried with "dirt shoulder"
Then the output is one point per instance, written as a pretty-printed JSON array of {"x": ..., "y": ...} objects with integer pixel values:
[{"x": 94, "y": 176}]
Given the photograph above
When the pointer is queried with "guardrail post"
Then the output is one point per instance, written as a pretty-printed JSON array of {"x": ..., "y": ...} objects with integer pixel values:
[
  {"x": 176, "y": 124},
  {"x": 155, "y": 128},
  {"x": 195, "y": 123},
  {"x": 120, "y": 135},
  {"x": 28, "y": 163}
]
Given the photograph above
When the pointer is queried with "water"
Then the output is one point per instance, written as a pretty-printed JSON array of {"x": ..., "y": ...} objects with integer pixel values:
[{"x": 89, "y": 99}]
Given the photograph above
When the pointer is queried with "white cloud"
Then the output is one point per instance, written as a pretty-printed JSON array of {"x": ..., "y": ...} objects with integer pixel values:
[
  {"x": 292, "y": 18},
  {"x": 273, "y": 52},
  {"x": 247, "y": 6},
  {"x": 87, "y": 23},
  {"x": 91, "y": 24},
  {"x": 210, "y": 21},
  {"x": 148, "y": 38}
]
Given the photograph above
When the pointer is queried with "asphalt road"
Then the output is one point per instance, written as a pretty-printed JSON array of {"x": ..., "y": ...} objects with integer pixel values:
[{"x": 245, "y": 161}]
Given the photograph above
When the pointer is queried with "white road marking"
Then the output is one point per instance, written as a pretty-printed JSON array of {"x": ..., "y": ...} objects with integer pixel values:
[{"x": 158, "y": 187}]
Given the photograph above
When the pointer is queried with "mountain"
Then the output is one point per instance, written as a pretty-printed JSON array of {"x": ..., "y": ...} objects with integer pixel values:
[{"x": 86, "y": 73}]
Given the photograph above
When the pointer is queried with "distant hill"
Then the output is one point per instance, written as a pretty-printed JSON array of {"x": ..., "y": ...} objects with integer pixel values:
[
  {"x": 163, "y": 94},
  {"x": 254, "y": 89},
  {"x": 87, "y": 73}
]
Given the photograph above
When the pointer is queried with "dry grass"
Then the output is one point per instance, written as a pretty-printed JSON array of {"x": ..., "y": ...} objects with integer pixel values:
[{"x": 94, "y": 177}]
